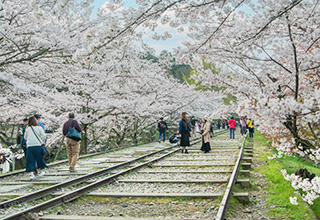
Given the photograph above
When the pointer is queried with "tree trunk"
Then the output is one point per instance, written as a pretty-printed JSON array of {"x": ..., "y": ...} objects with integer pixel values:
[
  {"x": 59, "y": 149},
  {"x": 291, "y": 125},
  {"x": 84, "y": 140}
]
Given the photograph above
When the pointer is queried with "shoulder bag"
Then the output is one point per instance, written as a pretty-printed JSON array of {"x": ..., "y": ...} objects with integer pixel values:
[
  {"x": 44, "y": 150},
  {"x": 74, "y": 134}
]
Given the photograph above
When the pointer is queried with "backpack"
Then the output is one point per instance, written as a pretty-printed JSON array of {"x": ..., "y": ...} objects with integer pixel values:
[
  {"x": 162, "y": 126},
  {"x": 173, "y": 139}
]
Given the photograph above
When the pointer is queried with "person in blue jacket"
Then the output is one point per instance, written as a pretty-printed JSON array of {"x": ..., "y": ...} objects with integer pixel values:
[
  {"x": 184, "y": 133},
  {"x": 24, "y": 142},
  {"x": 38, "y": 117}
]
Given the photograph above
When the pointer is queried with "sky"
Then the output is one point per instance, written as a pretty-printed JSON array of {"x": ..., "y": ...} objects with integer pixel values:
[{"x": 157, "y": 45}]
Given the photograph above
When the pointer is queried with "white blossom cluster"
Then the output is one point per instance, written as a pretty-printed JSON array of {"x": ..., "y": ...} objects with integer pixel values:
[
  {"x": 310, "y": 189},
  {"x": 7, "y": 152},
  {"x": 69, "y": 62}
]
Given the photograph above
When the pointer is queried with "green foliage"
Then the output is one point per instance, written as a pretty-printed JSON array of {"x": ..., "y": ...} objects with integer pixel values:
[
  {"x": 178, "y": 71},
  {"x": 228, "y": 99}
]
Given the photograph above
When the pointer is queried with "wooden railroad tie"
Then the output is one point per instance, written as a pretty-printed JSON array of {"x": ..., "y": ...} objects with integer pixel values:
[
  {"x": 243, "y": 182},
  {"x": 244, "y": 172},
  {"x": 162, "y": 195},
  {"x": 193, "y": 165}
]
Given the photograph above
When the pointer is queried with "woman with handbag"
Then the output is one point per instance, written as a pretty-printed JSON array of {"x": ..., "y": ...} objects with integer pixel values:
[
  {"x": 205, "y": 134},
  {"x": 184, "y": 133},
  {"x": 35, "y": 139}
]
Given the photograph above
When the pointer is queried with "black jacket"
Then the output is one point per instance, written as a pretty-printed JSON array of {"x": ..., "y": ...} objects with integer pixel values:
[{"x": 162, "y": 126}]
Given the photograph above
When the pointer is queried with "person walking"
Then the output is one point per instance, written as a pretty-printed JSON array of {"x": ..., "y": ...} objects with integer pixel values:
[
  {"x": 232, "y": 126},
  {"x": 243, "y": 121},
  {"x": 197, "y": 127},
  {"x": 184, "y": 133},
  {"x": 205, "y": 136},
  {"x": 24, "y": 142},
  {"x": 35, "y": 138},
  {"x": 193, "y": 126},
  {"x": 250, "y": 124},
  {"x": 162, "y": 126},
  {"x": 211, "y": 130},
  {"x": 38, "y": 117},
  {"x": 72, "y": 144}
]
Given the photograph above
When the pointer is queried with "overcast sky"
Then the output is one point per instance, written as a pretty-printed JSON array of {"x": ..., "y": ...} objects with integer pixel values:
[{"x": 157, "y": 45}]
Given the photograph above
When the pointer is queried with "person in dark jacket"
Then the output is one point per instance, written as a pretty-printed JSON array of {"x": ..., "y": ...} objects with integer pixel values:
[
  {"x": 24, "y": 142},
  {"x": 72, "y": 145},
  {"x": 162, "y": 126},
  {"x": 184, "y": 133}
]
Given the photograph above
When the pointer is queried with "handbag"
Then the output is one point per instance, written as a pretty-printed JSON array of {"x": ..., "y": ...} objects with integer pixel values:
[
  {"x": 44, "y": 150},
  {"x": 74, "y": 134}
]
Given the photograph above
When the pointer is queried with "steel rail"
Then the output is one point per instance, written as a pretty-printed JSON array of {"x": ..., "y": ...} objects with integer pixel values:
[
  {"x": 43, "y": 192},
  {"x": 66, "y": 161},
  {"x": 85, "y": 189},
  {"x": 222, "y": 212}
]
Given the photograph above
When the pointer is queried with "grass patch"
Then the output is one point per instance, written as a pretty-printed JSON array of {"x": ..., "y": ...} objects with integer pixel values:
[{"x": 279, "y": 190}]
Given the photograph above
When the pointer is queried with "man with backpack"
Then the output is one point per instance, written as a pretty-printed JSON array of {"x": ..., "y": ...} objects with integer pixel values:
[
  {"x": 72, "y": 141},
  {"x": 162, "y": 126},
  {"x": 23, "y": 143}
]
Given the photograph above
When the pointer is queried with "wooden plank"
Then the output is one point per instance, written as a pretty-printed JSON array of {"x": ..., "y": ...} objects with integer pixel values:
[
  {"x": 193, "y": 165},
  {"x": 159, "y": 195},
  {"x": 244, "y": 182},
  {"x": 172, "y": 181},
  {"x": 66, "y": 174},
  {"x": 194, "y": 159},
  {"x": 31, "y": 182},
  {"x": 210, "y": 154},
  {"x": 213, "y": 150},
  {"x": 246, "y": 166},
  {"x": 11, "y": 194},
  {"x": 162, "y": 195},
  {"x": 244, "y": 196},
  {"x": 247, "y": 159},
  {"x": 245, "y": 172},
  {"x": 186, "y": 171},
  {"x": 78, "y": 217}
]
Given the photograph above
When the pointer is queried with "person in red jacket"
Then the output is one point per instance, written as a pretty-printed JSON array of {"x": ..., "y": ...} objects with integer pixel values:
[{"x": 232, "y": 126}]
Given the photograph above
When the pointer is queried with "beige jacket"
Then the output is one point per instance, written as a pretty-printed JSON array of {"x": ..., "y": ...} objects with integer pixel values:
[{"x": 206, "y": 132}]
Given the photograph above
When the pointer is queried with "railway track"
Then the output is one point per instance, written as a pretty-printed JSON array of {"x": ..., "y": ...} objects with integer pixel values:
[
  {"x": 61, "y": 162},
  {"x": 156, "y": 168}
]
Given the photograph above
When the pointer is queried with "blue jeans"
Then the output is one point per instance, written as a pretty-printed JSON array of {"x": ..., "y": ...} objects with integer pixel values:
[
  {"x": 34, "y": 155},
  {"x": 162, "y": 133},
  {"x": 232, "y": 132}
]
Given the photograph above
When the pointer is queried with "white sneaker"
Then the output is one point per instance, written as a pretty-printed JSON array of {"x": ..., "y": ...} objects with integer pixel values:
[
  {"x": 41, "y": 174},
  {"x": 32, "y": 177}
]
